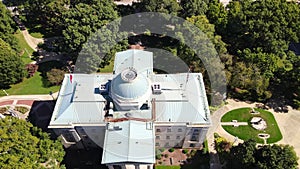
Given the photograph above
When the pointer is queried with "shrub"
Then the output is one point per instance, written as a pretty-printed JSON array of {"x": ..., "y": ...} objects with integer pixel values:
[
  {"x": 31, "y": 69},
  {"x": 21, "y": 109},
  {"x": 162, "y": 149},
  {"x": 3, "y": 110},
  {"x": 166, "y": 155},
  {"x": 216, "y": 135},
  {"x": 171, "y": 150},
  {"x": 185, "y": 151},
  {"x": 55, "y": 76},
  {"x": 158, "y": 156}
]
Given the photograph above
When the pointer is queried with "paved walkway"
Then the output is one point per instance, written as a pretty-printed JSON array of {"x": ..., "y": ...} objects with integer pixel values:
[
  {"x": 28, "y": 97},
  {"x": 233, "y": 123},
  {"x": 24, "y": 101},
  {"x": 31, "y": 41}
]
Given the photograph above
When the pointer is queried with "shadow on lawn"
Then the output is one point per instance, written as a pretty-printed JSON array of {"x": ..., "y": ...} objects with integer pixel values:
[{"x": 200, "y": 160}]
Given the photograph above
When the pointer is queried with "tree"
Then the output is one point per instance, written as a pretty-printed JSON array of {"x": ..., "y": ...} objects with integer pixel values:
[
  {"x": 7, "y": 27},
  {"x": 84, "y": 19},
  {"x": 276, "y": 156},
  {"x": 25, "y": 146},
  {"x": 243, "y": 155},
  {"x": 249, "y": 82},
  {"x": 217, "y": 15},
  {"x": 53, "y": 16},
  {"x": 246, "y": 155},
  {"x": 163, "y": 6},
  {"x": 193, "y": 7},
  {"x": 267, "y": 24},
  {"x": 11, "y": 66},
  {"x": 55, "y": 76}
]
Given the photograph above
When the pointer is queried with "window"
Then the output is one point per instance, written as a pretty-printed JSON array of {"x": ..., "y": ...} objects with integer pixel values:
[
  {"x": 117, "y": 167},
  {"x": 192, "y": 145},
  {"x": 167, "y": 144},
  {"x": 71, "y": 135},
  {"x": 169, "y": 130},
  {"x": 168, "y": 137},
  {"x": 196, "y": 131},
  {"x": 157, "y": 137},
  {"x": 178, "y": 137},
  {"x": 157, "y": 130},
  {"x": 194, "y": 138},
  {"x": 156, "y": 144},
  {"x": 179, "y": 130}
]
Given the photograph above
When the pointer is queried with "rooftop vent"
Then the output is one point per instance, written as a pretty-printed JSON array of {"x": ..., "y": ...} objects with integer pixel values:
[
  {"x": 156, "y": 88},
  {"x": 103, "y": 88}
]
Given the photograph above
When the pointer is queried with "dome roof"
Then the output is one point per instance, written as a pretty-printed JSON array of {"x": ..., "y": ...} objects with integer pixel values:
[{"x": 129, "y": 85}]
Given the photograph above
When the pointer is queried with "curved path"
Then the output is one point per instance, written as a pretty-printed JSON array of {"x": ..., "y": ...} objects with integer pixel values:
[{"x": 31, "y": 41}]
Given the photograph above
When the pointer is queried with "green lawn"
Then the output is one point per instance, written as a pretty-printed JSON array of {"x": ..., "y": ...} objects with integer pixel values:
[
  {"x": 108, "y": 68},
  {"x": 33, "y": 85},
  {"x": 36, "y": 34},
  {"x": 25, "y": 48},
  {"x": 241, "y": 115},
  {"x": 248, "y": 132}
]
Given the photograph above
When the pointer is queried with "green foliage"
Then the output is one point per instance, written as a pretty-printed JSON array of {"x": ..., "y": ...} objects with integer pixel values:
[
  {"x": 193, "y": 7},
  {"x": 246, "y": 155},
  {"x": 21, "y": 109},
  {"x": 11, "y": 66},
  {"x": 89, "y": 18},
  {"x": 201, "y": 22},
  {"x": 249, "y": 82},
  {"x": 158, "y": 156},
  {"x": 163, "y": 6},
  {"x": 269, "y": 24},
  {"x": 185, "y": 151},
  {"x": 243, "y": 154},
  {"x": 55, "y": 76},
  {"x": 276, "y": 156},
  {"x": 222, "y": 145},
  {"x": 217, "y": 15},
  {"x": 171, "y": 150},
  {"x": 7, "y": 27},
  {"x": 25, "y": 146}
]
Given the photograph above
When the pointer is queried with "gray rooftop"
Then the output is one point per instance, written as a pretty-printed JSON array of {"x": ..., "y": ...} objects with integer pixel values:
[
  {"x": 182, "y": 98},
  {"x": 129, "y": 141}
]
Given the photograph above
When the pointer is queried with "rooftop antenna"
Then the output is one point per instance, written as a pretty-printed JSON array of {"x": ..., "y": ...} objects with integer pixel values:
[{"x": 187, "y": 78}]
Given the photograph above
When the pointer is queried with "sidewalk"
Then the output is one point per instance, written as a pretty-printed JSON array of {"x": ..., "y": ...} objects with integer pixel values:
[{"x": 29, "y": 97}]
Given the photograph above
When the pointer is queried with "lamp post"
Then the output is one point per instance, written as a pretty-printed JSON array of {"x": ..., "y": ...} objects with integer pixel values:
[{"x": 51, "y": 94}]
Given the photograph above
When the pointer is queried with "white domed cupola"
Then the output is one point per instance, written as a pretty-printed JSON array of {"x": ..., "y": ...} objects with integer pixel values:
[{"x": 130, "y": 90}]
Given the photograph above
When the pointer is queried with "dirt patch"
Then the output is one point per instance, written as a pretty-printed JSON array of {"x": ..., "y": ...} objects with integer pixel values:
[{"x": 172, "y": 158}]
